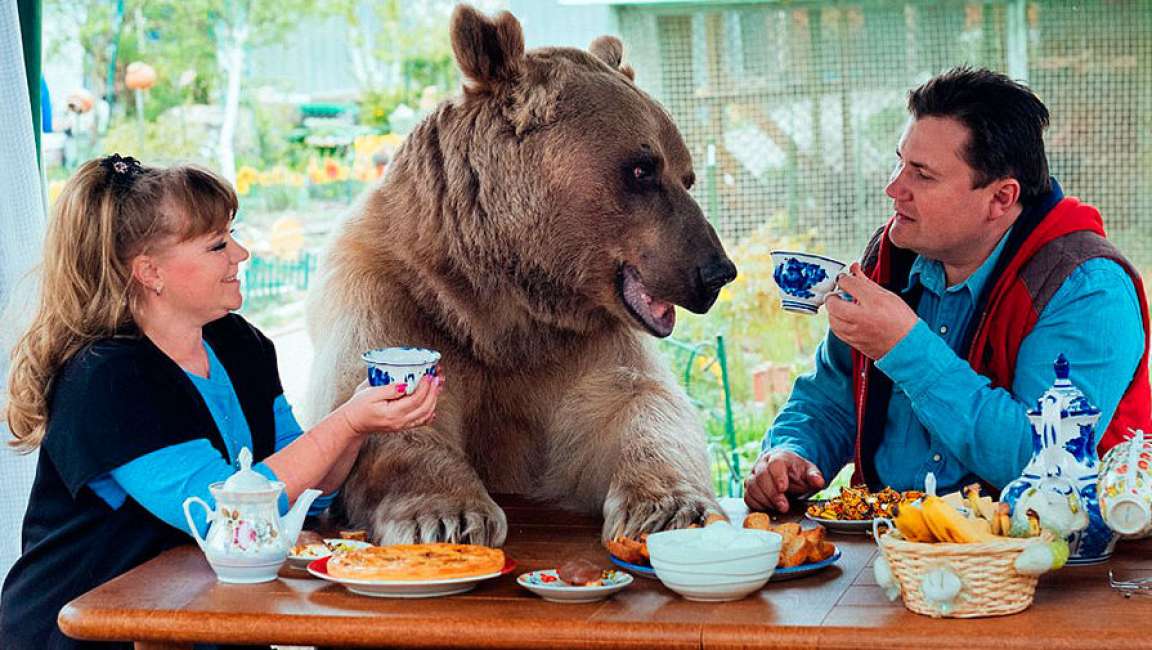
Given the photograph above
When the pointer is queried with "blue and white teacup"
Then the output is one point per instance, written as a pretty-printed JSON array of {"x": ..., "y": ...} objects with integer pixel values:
[
  {"x": 400, "y": 366},
  {"x": 805, "y": 279}
]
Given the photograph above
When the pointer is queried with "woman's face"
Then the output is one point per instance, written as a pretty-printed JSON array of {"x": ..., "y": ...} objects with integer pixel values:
[{"x": 198, "y": 276}]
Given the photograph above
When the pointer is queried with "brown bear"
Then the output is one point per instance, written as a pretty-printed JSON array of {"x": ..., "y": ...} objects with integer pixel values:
[{"x": 537, "y": 231}]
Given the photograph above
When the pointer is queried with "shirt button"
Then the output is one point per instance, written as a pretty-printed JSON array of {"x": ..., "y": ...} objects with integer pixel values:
[
  {"x": 943, "y": 329},
  {"x": 936, "y": 458}
]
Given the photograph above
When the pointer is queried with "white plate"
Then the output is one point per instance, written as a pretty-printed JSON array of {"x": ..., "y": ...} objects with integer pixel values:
[
  {"x": 548, "y": 586},
  {"x": 853, "y": 526},
  {"x": 302, "y": 561},
  {"x": 406, "y": 588},
  {"x": 789, "y": 573}
]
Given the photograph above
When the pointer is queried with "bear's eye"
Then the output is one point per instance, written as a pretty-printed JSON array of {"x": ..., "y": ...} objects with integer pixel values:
[{"x": 641, "y": 174}]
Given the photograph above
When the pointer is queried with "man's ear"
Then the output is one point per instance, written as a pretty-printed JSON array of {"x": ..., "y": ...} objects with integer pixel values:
[
  {"x": 1005, "y": 198},
  {"x": 489, "y": 51},
  {"x": 610, "y": 50}
]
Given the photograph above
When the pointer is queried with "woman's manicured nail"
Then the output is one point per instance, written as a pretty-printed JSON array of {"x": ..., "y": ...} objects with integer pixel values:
[{"x": 401, "y": 388}]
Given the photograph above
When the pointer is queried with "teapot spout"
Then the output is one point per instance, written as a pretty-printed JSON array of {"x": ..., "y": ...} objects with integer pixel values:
[{"x": 291, "y": 523}]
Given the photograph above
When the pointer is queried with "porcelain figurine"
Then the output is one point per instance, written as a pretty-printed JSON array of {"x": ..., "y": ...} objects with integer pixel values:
[{"x": 1059, "y": 483}]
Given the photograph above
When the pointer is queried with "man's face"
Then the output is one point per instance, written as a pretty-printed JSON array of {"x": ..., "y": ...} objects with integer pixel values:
[{"x": 938, "y": 213}]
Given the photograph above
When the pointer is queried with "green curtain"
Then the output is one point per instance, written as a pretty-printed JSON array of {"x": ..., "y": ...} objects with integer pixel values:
[{"x": 30, "y": 35}]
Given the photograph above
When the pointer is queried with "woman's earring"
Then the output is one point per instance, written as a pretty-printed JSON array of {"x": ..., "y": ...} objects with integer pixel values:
[{"x": 158, "y": 289}]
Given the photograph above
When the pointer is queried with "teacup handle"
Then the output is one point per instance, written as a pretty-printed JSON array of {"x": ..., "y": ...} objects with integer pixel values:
[{"x": 209, "y": 515}]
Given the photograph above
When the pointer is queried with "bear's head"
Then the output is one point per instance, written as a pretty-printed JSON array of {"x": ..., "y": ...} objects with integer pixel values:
[{"x": 579, "y": 182}]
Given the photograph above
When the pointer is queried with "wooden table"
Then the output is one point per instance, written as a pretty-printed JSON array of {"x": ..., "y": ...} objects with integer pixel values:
[{"x": 175, "y": 600}]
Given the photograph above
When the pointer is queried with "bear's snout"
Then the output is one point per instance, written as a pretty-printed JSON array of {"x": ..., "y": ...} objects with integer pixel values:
[
  {"x": 710, "y": 278},
  {"x": 716, "y": 273}
]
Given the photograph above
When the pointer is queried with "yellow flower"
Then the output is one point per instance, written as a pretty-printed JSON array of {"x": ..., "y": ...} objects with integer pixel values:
[
  {"x": 54, "y": 189},
  {"x": 247, "y": 174}
]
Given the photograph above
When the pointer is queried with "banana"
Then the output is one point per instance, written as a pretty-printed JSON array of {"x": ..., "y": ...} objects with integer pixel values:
[
  {"x": 935, "y": 523},
  {"x": 909, "y": 520},
  {"x": 948, "y": 525},
  {"x": 979, "y": 506}
]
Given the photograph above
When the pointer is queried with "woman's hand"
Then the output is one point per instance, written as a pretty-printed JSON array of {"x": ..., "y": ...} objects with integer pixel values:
[{"x": 385, "y": 409}]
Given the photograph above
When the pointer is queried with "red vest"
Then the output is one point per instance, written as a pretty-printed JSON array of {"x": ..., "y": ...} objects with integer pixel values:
[{"x": 1018, "y": 296}]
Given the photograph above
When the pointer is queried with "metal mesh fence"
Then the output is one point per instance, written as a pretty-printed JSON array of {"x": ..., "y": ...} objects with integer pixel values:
[{"x": 793, "y": 110}]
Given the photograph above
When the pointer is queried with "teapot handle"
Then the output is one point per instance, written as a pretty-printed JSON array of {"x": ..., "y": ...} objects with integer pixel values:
[{"x": 209, "y": 515}]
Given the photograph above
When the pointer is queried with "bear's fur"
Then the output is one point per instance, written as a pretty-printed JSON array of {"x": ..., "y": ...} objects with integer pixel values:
[{"x": 536, "y": 231}]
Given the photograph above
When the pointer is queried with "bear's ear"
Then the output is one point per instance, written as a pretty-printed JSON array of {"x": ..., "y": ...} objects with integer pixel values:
[
  {"x": 610, "y": 50},
  {"x": 489, "y": 51}
]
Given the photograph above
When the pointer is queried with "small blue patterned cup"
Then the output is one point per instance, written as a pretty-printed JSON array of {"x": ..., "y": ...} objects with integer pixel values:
[
  {"x": 805, "y": 279},
  {"x": 400, "y": 366}
]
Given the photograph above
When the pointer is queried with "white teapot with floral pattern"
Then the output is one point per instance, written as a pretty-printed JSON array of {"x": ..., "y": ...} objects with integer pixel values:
[{"x": 247, "y": 539}]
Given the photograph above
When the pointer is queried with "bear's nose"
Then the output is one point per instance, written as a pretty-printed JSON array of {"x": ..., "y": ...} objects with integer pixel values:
[{"x": 717, "y": 273}]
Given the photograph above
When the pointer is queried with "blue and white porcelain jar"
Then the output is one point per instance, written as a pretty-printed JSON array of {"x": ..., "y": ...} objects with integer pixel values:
[{"x": 1064, "y": 469}]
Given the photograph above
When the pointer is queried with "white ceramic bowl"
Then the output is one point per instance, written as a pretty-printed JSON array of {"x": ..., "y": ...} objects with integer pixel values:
[
  {"x": 804, "y": 279},
  {"x": 407, "y": 366},
  {"x": 710, "y": 566}
]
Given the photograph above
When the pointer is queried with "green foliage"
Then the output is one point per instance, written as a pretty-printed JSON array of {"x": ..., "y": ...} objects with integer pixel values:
[
  {"x": 438, "y": 70},
  {"x": 756, "y": 330},
  {"x": 748, "y": 311},
  {"x": 275, "y": 124},
  {"x": 162, "y": 142},
  {"x": 174, "y": 36},
  {"x": 377, "y": 105}
]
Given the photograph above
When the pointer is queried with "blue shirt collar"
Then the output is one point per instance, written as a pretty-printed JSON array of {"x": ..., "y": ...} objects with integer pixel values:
[{"x": 930, "y": 273}]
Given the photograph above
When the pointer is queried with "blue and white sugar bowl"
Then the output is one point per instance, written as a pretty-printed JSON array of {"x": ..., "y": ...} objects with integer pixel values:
[{"x": 1059, "y": 482}]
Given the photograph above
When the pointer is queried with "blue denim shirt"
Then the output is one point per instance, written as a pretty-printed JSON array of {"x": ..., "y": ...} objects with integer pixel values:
[{"x": 943, "y": 417}]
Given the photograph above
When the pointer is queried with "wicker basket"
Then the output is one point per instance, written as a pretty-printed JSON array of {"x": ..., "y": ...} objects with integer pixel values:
[{"x": 990, "y": 585}]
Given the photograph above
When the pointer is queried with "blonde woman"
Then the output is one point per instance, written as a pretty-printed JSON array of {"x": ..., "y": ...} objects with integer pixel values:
[{"x": 139, "y": 387}]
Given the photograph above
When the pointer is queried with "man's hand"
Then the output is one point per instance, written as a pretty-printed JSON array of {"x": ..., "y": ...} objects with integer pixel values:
[
  {"x": 874, "y": 320},
  {"x": 776, "y": 474}
]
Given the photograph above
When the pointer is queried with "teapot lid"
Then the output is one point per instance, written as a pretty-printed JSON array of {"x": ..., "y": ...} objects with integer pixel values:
[
  {"x": 1063, "y": 392},
  {"x": 247, "y": 479}
]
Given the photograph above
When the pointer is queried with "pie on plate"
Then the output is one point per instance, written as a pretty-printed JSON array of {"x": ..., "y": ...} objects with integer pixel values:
[{"x": 416, "y": 562}]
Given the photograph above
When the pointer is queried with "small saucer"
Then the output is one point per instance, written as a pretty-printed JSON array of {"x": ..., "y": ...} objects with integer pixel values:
[
  {"x": 315, "y": 551},
  {"x": 550, "y": 587}
]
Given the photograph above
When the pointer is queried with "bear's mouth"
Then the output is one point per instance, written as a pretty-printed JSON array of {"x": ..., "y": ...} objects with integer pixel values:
[{"x": 657, "y": 316}]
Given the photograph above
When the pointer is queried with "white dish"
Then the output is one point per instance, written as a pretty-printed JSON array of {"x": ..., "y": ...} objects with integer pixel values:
[
  {"x": 406, "y": 588},
  {"x": 789, "y": 573},
  {"x": 851, "y": 526},
  {"x": 714, "y": 564},
  {"x": 712, "y": 589},
  {"x": 304, "y": 559},
  {"x": 548, "y": 586},
  {"x": 719, "y": 547}
]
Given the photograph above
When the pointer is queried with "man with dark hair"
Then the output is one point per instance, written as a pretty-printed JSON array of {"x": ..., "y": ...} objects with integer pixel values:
[{"x": 947, "y": 329}]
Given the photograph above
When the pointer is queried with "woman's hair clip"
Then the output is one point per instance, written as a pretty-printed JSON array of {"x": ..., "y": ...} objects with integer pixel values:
[{"x": 122, "y": 169}]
